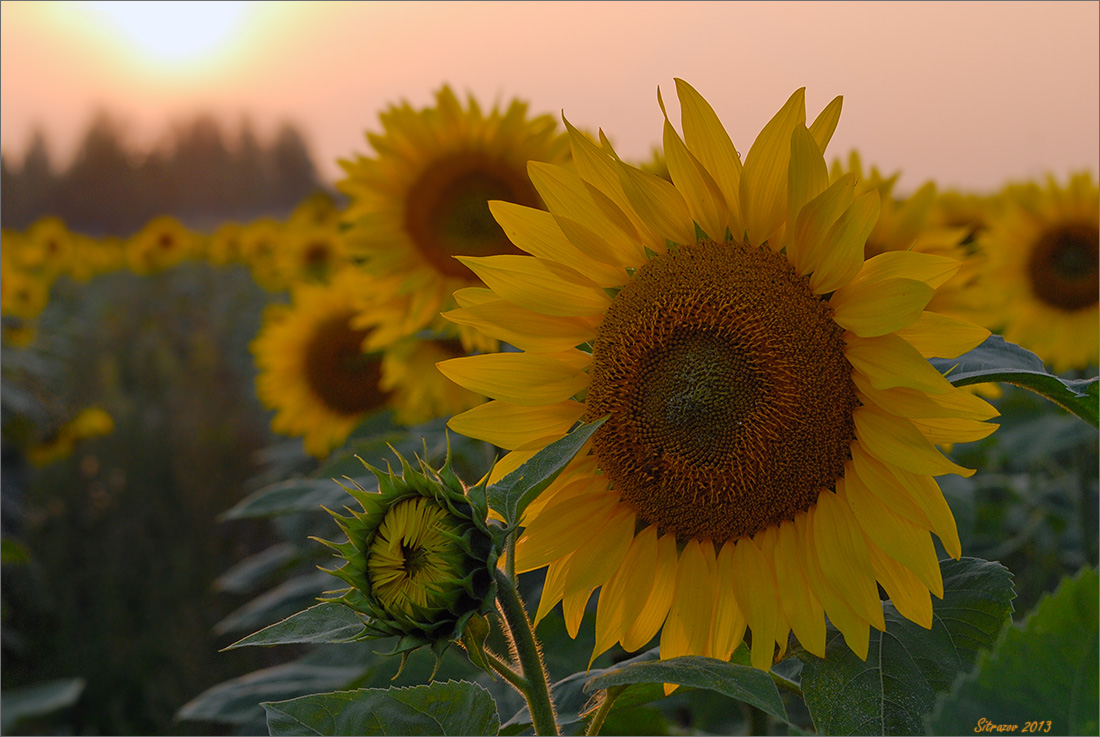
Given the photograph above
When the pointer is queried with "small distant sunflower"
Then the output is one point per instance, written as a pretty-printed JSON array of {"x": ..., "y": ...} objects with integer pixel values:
[
  {"x": 259, "y": 251},
  {"x": 313, "y": 370},
  {"x": 49, "y": 247},
  {"x": 310, "y": 251},
  {"x": 769, "y": 456},
  {"x": 422, "y": 199},
  {"x": 226, "y": 245},
  {"x": 1043, "y": 259},
  {"x": 163, "y": 243}
]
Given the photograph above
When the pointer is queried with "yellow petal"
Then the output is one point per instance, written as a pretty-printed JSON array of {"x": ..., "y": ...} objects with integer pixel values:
[
  {"x": 519, "y": 378},
  {"x": 764, "y": 179},
  {"x": 651, "y": 615},
  {"x": 844, "y": 244},
  {"x": 803, "y": 610},
  {"x": 905, "y": 402},
  {"x": 926, "y": 493},
  {"x": 658, "y": 204},
  {"x": 941, "y": 336},
  {"x": 807, "y": 178},
  {"x": 806, "y": 249},
  {"x": 510, "y": 426},
  {"x": 471, "y": 296},
  {"x": 948, "y": 430},
  {"x": 625, "y": 591},
  {"x": 593, "y": 563},
  {"x": 702, "y": 195},
  {"x": 538, "y": 233},
  {"x": 728, "y": 625},
  {"x": 552, "y": 588},
  {"x": 561, "y": 528},
  {"x": 895, "y": 441},
  {"x": 687, "y": 628},
  {"x": 709, "y": 142},
  {"x": 924, "y": 267},
  {"x": 539, "y": 284},
  {"x": 907, "y": 593},
  {"x": 872, "y": 308},
  {"x": 754, "y": 587},
  {"x": 526, "y": 330},
  {"x": 844, "y": 558},
  {"x": 888, "y": 361},
  {"x": 854, "y": 628},
  {"x": 825, "y": 123},
  {"x": 904, "y": 541}
]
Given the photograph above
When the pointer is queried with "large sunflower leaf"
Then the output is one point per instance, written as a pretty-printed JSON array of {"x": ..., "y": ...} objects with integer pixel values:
[
  {"x": 292, "y": 495},
  {"x": 907, "y": 666},
  {"x": 511, "y": 495},
  {"x": 1044, "y": 670},
  {"x": 997, "y": 360},
  {"x": 741, "y": 682},
  {"x": 450, "y": 708},
  {"x": 37, "y": 700},
  {"x": 326, "y": 622}
]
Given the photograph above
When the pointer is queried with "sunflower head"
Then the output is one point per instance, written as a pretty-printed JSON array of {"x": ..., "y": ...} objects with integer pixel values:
[
  {"x": 422, "y": 199},
  {"x": 419, "y": 556},
  {"x": 1041, "y": 270},
  {"x": 769, "y": 452},
  {"x": 161, "y": 244}
]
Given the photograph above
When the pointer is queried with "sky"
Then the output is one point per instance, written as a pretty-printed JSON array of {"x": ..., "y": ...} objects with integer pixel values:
[{"x": 969, "y": 95}]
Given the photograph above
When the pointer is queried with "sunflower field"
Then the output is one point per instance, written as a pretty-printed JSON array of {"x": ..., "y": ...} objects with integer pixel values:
[{"x": 512, "y": 436}]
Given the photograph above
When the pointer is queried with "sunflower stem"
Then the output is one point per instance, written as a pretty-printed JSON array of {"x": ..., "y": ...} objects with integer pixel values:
[
  {"x": 510, "y": 555},
  {"x": 537, "y": 692},
  {"x": 604, "y": 709},
  {"x": 506, "y": 671}
]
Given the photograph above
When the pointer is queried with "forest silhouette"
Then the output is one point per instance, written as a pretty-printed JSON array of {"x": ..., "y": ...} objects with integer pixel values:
[{"x": 200, "y": 172}]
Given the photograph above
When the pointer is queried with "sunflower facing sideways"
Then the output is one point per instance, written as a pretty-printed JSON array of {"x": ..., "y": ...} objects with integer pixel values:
[
  {"x": 769, "y": 456},
  {"x": 1043, "y": 260},
  {"x": 422, "y": 200}
]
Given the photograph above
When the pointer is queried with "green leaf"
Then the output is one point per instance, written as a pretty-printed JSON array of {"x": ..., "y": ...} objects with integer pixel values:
[
  {"x": 450, "y": 708},
  {"x": 1044, "y": 670},
  {"x": 245, "y": 576},
  {"x": 511, "y": 495},
  {"x": 13, "y": 552},
  {"x": 744, "y": 683},
  {"x": 292, "y": 495},
  {"x": 997, "y": 360},
  {"x": 37, "y": 700},
  {"x": 908, "y": 665},
  {"x": 325, "y": 622},
  {"x": 280, "y": 602}
]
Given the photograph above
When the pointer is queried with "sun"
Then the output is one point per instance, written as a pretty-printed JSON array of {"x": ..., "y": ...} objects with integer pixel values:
[{"x": 174, "y": 33}]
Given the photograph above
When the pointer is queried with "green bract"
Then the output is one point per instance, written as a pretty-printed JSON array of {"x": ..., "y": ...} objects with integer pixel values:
[{"x": 419, "y": 557}]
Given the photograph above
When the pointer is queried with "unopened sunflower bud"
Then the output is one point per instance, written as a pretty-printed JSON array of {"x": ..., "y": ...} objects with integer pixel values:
[{"x": 419, "y": 557}]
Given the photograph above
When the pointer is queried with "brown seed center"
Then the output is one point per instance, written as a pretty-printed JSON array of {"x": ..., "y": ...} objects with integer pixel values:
[
  {"x": 343, "y": 377},
  {"x": 447, "y": 209},
  {"x": 1063, "y": 266},
  {"x": 730, "y": 397}
]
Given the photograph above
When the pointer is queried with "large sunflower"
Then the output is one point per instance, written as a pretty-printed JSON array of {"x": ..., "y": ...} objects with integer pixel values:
[
  {"x": 770, "y": 454},
  {"x": 422, "y": 200},
  {"x": 1042, "y": 253}
]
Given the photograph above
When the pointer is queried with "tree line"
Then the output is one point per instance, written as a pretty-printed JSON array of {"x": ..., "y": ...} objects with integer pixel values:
[{"x": 200, "y": 173}]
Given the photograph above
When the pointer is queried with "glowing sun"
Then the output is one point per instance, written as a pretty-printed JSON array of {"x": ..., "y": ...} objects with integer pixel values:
[{"x": 174, "y": 33}]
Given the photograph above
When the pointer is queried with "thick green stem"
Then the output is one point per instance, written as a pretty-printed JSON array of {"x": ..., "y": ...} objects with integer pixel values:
[
  {"x": 604, "y": 709},
  {"x": 537, "y": 692}
]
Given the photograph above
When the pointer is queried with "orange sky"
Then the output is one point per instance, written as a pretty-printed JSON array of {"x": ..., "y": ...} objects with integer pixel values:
[{"x": 971, "y": 95}]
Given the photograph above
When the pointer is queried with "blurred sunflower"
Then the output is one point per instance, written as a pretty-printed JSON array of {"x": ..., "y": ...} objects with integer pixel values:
[
  {"x": 48, "y": 247},
  {"x": 422, "y": 200},
  {"x": 259, "y": 251},
  {"x": 226, "y": 245},
  {"x": 769, "y": 457},
  {"x": 906, "y": 224},
  {"x": 163, "y": 243},
  {"x": 310, "y": 251},
  {"x": 419, "y": 392},
  {"x": 312, "y": 368},
  {"x": 1042, "y": 260}
]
